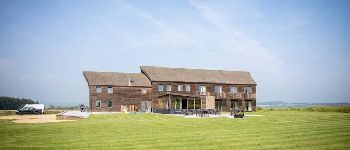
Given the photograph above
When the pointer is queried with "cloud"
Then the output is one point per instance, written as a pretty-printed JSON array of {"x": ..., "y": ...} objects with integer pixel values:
[
  {"x": 234, "y": 42},
  {"x": 169, "y": 36}
]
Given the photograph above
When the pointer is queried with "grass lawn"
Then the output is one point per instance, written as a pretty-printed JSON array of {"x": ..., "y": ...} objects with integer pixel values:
[{"x": 274, "y": 130}]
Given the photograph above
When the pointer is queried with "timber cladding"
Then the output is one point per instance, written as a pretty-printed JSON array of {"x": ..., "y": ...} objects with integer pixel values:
[{"x": 139, "y": 91}]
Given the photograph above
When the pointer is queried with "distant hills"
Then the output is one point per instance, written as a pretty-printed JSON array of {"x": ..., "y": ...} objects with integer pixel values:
[{"x": 286, "y": 104}]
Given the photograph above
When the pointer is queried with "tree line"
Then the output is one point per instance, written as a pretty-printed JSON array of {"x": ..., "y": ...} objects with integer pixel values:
[{"x": 12, "y": 103}]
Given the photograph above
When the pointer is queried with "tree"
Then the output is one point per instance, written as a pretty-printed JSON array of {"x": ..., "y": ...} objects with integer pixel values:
[{"x": 11, "y": 103}]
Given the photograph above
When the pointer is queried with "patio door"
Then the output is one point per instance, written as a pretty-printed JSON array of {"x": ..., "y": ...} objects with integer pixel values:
[
  {"x": 234, "y": 105},
  {"x": 248, "y": 105},
  {"x": 218, "y": 104},
  {"x": 146, "y": 106}
]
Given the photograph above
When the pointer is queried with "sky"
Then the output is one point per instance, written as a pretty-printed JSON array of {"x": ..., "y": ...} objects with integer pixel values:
[{"x": 296, "y": 51}]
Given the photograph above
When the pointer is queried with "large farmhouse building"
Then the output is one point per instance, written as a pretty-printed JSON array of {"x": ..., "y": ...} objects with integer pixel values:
[{"x": 160, "y": 88}]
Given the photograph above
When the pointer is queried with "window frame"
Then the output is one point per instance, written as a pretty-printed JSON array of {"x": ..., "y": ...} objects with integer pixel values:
[
  {"x": 109, "y": 89},
  {"x": 218, "y": 87},
  {"x": 188, "y": 88},
  {"x": 233, "y": 87},
  {"x": 180, "y": 88},
  {"x": 168, "y": 87},
  {"x": 100, "y": 102},
  {"x": 201, "y": 88},
  {"x": 160, "y": 88},
  {"x": 98, "y": 87},
  {"x": 111, "y": 102},
  {"x": 143, "y": 91},
  {"x": 248, "y": 91}
]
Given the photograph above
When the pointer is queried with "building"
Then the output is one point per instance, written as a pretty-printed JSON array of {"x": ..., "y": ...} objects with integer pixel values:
[{"x": 160, "y": 88}]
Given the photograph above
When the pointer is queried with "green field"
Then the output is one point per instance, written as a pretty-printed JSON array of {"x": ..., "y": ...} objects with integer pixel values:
[{"x": 274, "y": 130}]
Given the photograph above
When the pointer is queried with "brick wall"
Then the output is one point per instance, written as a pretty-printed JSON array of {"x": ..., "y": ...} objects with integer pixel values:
[{"x": 120, "y": 96}]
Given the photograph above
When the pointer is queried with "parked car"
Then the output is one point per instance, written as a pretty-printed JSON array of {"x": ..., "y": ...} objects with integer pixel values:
[
  {"x": 237, "y": 113},
  {"x": 31, "y": 109}
]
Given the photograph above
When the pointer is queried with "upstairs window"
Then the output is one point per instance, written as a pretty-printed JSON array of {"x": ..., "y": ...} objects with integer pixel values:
[
  {"x": 98, "y": 103},
  {"x": 98, "y": 89},
  {"x": 188, "y": 88},
  {"x": 110, "y": 89},
  {"x": 179, "y": 87},
  {"x": 160, "y": 87},
  {"x": 233, "y": 89},
  {"x": 168, "y": 87},
  {"x": 218, "y": 89},
  {"x": 143, "y": 90},
  {"x": 202, "y": 88},
  {"x": 247, "y": 89}
]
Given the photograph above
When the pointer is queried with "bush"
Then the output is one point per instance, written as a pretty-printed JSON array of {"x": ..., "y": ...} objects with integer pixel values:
[{"x": 7, "y": 112}]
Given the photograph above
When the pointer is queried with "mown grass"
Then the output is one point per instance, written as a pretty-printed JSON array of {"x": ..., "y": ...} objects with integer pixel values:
[
  {"x": 342, "y": 109},
  {"x": 274, "y": 130}
]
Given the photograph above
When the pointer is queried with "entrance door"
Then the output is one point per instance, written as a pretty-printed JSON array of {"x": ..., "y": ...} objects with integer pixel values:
[
  {"x": 146, "y": 106},
  {"x": 184, "y": 104},
  {"x": 143, "y": 106}
]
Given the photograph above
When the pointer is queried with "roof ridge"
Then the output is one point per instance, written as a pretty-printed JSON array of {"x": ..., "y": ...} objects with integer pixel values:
[{"x": 197, "y": 69}]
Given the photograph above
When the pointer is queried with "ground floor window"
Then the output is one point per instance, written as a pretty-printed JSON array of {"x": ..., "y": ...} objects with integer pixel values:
[
  {"x": 197, "y": 104},
  {"x": 109, "y": 103},
  {"x": 177, "y": 103},
  {"x": 190, "y": 103},
  {"x": 164, "y": 103},
  {"x": 98, "y": 103}
]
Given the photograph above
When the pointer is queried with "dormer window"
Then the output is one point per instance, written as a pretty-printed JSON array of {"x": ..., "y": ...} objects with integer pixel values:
[{"x": 98, "y": 89}]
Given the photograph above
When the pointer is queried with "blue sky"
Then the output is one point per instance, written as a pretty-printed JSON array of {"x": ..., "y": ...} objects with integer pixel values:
[{"x": 297, "y": 51}]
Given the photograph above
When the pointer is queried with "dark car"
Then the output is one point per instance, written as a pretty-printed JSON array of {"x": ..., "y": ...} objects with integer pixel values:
[
  {"x": 29, "y": 110},
  {"x": 237, "y": 113}
]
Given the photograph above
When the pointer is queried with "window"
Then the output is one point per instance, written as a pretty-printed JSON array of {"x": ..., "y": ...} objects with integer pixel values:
[
  {"x": 248, "y": 106},
  {"x": 98, "y": 103},
  {"x": 160, "y": 87},
  {"x": 248, "y": 89},
  {"x": 234, "y": 105},
  {"x": 177, "y": 103},
  {"x": 168, "y": 87},
  {"x": 143, "y": 90},
  {"x": 188, "y": 88},
  {"x": 110, "y": 89},
  {"x": 179, "y": 87},
  {"x": 109, "y": 103},
  {"x": 98, "y": 89},
  {"x": 233, "y": 89},
  {"x": 202, "y": 88},
  {"x": 218, "y": 89}
]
